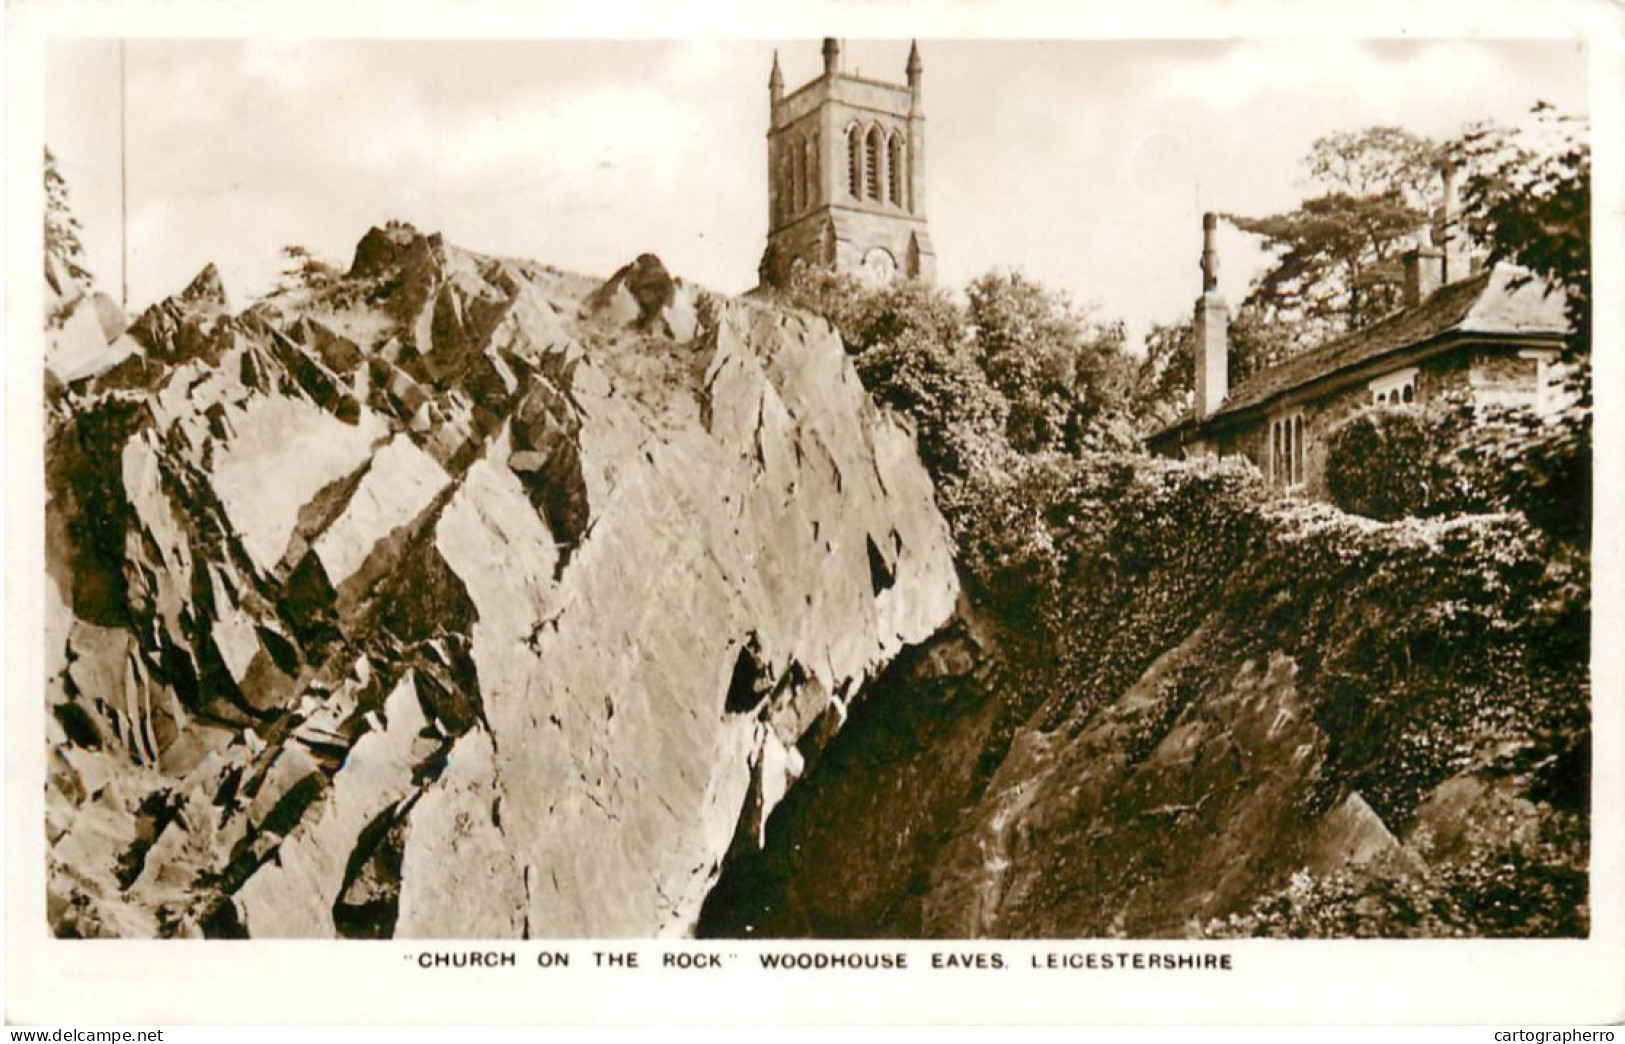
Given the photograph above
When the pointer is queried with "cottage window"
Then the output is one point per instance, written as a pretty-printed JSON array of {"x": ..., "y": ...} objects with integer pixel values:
[
  {"x": 1286, "y": 451},
  {"x": 1392, "y": 389},
  {"x": 1548, "y": 378}
]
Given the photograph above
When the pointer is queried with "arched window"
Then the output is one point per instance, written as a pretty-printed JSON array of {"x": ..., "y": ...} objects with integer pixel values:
[
  {"x": 812, "y": 170},
  {"x": 894, "y": 167},
  {"x": 798, "y": 178},
  {"x": 875, "y": 157},
  {"x": 1286, "y": 451},
  {"x": 781, "y": 187},
  {"x": 854, "y": 163}
]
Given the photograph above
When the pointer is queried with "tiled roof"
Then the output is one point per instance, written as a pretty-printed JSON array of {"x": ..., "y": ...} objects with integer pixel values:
[{"x": 1498, "y": 301}]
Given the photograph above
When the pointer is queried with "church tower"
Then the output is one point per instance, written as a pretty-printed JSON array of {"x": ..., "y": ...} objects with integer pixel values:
[{"x": 846, "y": 175}]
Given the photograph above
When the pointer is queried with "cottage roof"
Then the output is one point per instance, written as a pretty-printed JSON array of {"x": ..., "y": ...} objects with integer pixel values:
[{"x": 1501, "y": 301}]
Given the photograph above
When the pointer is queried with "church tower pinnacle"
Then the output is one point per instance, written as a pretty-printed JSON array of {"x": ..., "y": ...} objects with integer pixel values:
[
  {"x": 846, "y": 175},
  {"x": 832, "y": 56}
]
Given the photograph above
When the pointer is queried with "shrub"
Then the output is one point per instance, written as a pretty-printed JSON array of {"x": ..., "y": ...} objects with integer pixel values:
[
  {"x": 1452, "y": 458},
  {"x": 959, "y": 417},
  {"x": 1391, "y": 463}
]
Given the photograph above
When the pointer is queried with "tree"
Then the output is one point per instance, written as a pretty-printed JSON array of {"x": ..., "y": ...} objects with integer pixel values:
[
  {"x": 1062, "y": 371},
  {"x": 62, "y": 229},
  {"x": 1528, "y": 195},
  {"x": 304, "y": 271},
  {"x": 1376, "y": 161},
  {"x": 1017, "y": 367},
  {"x": 909, "y": 340},
  {"x": 1164, "y": 380},
  {"x": 1337, "y": 265}
]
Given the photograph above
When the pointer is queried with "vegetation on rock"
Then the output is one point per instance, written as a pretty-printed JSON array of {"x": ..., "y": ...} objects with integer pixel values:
[{"x": 1438, "y": 645}]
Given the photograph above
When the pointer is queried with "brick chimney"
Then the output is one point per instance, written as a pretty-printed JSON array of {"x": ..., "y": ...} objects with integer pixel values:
[
  {"x": 1449, "y": 236},
  {"x": 1212, "y": 329},
  {"x": 1424, "y": 273}
]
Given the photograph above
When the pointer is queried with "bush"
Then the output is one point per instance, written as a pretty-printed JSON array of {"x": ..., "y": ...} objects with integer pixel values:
[
  {"x": 1391, "y": 463},
  {"x": 1451, "y": 458},
  {"x": 1425, "y": 649}
]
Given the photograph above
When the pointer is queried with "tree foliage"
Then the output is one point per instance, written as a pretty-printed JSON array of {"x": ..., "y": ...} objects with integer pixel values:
[
  {"x": 1376, "y": 161},
  {"x": 1337, "y": 255},
  {"x": 1451, "y": 457},
  {"x": 1528, "y": 196},
  {"x": 1059, "y": 369},
  {"x": 1016, "y": 369},
  {"x": 62, "y": 228}
]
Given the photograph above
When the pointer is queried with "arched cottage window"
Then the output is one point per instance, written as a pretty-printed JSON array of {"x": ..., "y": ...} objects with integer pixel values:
[
  {"x": 894, "y": 170},
  {"x": 876, "y": 157},
  {"x": 854, "y": 162}
]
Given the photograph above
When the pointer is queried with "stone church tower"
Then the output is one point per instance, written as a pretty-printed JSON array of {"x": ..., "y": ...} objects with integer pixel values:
[{"x": 846, "y": 176}]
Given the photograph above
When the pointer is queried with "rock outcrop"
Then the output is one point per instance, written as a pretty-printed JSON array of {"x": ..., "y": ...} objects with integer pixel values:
[
  {"x": 456, "y": 596},
  {"x": 1252, "y": 717}
]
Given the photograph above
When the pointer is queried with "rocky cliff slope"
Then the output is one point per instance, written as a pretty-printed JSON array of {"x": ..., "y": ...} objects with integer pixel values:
[
  {"x": 1185, "y": 707},
  {"x": 453, "y": 596}
]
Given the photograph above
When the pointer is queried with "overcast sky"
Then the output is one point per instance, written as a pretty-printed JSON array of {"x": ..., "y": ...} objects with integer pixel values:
[{"x": 1084, "y": 164}]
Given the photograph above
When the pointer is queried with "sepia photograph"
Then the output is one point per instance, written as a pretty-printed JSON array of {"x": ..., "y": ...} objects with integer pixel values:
[{"x": 781, "y": 492}]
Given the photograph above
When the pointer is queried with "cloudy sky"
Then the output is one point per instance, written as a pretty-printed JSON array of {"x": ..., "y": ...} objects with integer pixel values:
[{"x": 1085, "y": 164}]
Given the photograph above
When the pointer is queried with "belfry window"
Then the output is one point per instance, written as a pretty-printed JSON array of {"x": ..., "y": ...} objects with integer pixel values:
[
  {"x": 875, "y": 158},
  {"x": 811, "y": 192},
  {"x": 854, "y": 163},
  {"x": 894, "y": 170},
  {"x": 782, "y": 198},
  {"x": 798, "y": 178}
]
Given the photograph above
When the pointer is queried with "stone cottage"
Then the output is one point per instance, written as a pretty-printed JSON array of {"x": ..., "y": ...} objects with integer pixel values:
[{"x": 1493, "y": 334}]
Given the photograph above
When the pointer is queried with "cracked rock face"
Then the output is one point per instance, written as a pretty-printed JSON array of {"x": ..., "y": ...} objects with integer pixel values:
[{"x": 454, "y": 597}]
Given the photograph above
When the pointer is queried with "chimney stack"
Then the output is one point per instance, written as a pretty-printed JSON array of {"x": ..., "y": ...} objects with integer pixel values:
[
  {"x": 1448, "y": 236},
  {"x": 1425, "y": 272},
  {"x": 1212, "y": 329}
]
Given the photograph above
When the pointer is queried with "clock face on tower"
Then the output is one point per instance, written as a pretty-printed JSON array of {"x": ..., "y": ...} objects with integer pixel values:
[{"x": 879, "y": 266}]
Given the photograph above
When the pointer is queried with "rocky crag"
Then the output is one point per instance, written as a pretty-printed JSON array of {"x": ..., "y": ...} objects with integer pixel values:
[
  {"x": 453, "y": 596},
  {"x": 1235, "y": 715}
]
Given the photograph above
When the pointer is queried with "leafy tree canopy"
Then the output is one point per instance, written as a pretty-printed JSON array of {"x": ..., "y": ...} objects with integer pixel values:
[
  {"x": 1060, "y": 369},
  {"x": 1527, "y": 195},
  {"x": 1337, "y": 254},
  {"x": 1015, "y": 369}
]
